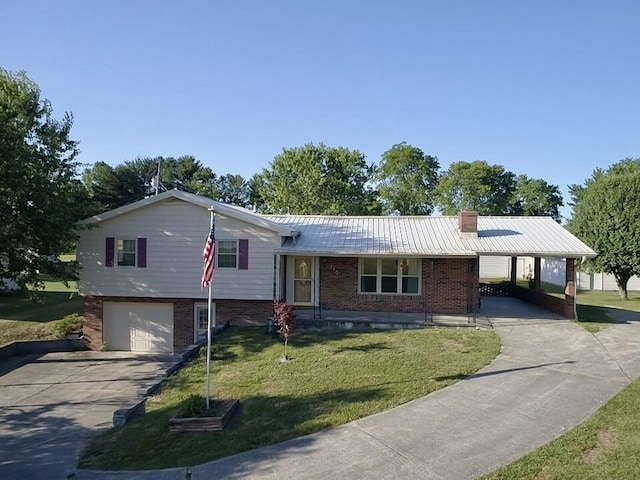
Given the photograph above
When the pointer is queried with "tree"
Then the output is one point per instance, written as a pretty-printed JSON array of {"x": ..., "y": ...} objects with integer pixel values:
[
  {"x": 284, "y": 321},
  {"x": 317, "y": 180},
  {"x": 606, "y": 216},
  {"x": 534, "y": 196},
  {"x": 234, "y": 189},
  {"x": 111, "y": 187},
  {"x": 406, "y": 179},
  {"x": 487, "y": 189},
  {"x": 41, "y": 198}
]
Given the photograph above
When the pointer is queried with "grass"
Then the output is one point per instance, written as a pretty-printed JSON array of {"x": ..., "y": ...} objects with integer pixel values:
[
  {"x": 24, "y": 317},
  {"x": 334, "y": 378},
  {"x": 607, "y": 446}
]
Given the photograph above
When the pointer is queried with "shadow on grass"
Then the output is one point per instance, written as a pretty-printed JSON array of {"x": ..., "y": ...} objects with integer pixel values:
[
  {"x": 253, "y": 340},
  {"x": 43, "y": 307},
  {"x": 146, "y": 442}
]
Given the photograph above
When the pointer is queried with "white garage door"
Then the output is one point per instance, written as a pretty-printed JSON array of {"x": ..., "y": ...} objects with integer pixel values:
[{"x": 138, "y": 327}]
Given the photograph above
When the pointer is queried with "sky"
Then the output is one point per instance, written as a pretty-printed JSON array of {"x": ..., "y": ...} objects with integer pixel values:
[{"x": 549, "y": 88}]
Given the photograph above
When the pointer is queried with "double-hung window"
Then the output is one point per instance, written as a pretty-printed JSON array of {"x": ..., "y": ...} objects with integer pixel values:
[
  {"x": 398, "y": 276},
  {"x": 126, "y": 252},
  {"x": 227, "y": 253}
]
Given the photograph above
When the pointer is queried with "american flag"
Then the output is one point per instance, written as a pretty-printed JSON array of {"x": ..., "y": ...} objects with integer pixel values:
[{"x": 208, "y": 255}]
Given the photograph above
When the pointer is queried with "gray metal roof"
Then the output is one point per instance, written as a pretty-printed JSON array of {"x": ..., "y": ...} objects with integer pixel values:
[
  {"x": 204, "y": 202},
  {"x": 428, "y": 236}
]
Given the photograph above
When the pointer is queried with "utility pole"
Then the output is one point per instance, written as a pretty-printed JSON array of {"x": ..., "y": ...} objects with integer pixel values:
[{"x": 158, "y": 178}]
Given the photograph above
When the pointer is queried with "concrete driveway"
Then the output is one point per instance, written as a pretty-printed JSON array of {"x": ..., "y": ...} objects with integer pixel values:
[
  {"x": 550, "y": 376},
  {"x": 50, "y": 405}
]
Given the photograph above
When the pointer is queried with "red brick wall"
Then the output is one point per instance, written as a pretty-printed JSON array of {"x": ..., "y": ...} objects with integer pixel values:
[
  {"x": 448, "y": 286},
  {"x": 236, "y": 312},
  {"x": 243, "y": 312}
]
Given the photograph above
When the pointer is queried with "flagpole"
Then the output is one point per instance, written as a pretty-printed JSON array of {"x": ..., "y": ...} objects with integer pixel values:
[{"x": 211, "y": 226}]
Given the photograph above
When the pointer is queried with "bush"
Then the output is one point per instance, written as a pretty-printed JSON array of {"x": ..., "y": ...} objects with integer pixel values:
[{"x": 70, "y": 323}]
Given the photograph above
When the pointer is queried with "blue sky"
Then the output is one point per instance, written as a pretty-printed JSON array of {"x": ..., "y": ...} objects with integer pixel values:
[{"x": 545, "y": 88}]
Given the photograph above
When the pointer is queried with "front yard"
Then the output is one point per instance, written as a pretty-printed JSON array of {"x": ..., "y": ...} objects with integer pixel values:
[{"x": 333, "y": 378}]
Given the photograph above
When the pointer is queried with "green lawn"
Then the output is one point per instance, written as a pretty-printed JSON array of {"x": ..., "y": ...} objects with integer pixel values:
[
  {"x": 25, "y": 318},
  {"x": 333, "y": 378},
  {"x": 607, "y": 446}
]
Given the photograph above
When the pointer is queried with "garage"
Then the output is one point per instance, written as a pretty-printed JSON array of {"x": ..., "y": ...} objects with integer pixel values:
[{"x": 138, "y": 326}]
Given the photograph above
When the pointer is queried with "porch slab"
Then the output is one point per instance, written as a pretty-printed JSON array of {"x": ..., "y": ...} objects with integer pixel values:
[{"x": 350, "y": 320}]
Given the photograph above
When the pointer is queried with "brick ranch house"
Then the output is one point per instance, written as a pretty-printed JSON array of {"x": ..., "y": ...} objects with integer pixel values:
[{"x": 142, "y": 264}]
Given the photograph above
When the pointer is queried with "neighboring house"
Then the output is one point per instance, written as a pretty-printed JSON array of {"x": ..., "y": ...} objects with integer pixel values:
[
  {"x": 142, "y": 264},
  {"x": 553, "y": 271}
]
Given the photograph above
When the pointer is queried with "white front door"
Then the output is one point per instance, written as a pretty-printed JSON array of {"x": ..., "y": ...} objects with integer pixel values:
[{"x": 301, "y": 280}]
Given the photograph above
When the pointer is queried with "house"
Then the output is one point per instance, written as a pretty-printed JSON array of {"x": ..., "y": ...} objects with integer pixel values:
[{"x": 142, "y": 264}]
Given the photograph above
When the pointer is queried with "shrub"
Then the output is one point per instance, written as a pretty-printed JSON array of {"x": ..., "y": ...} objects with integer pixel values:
[
  {"x": 70, "y": 323},
  {"x": 283, "y": 320}
]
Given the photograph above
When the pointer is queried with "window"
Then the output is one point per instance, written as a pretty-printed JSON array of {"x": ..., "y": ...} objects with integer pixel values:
[
  {"x": 227, "y": 253},
  {"x": 126, "y": 253},
  {"x": 398, "y": 276}
]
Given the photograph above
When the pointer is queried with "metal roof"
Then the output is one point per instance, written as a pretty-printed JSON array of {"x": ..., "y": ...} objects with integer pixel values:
[
  {"x": 428, "y": 236},
  {"x": 204, "y": 202}
]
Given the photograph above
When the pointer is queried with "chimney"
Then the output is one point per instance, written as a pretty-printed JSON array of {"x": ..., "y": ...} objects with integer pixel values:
[{"x": 468, "y": 224}]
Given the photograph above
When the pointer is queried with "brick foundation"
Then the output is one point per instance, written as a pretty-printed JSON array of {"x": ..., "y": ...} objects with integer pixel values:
[
  {"x": 448, "y": 286},
  {"x": 234, "y": 312},
  {"x": 243, "y": 312}
]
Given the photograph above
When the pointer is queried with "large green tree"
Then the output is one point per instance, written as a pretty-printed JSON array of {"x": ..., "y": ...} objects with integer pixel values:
[
  {"x": 41, "y": 198},
  {"x": 111, "y": 187},
  {"x": 534, "y": 196},
  {"x": 315, "y": 179},
  {"x": 606, "y": 216},
  {"x": 234, "y": 189},
  {"x": 487, "y": 189},
  {"x": 406, "y": 179}
]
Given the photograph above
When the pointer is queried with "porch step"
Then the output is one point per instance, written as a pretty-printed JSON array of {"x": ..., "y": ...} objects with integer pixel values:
[{"x": 375, "y": 324}]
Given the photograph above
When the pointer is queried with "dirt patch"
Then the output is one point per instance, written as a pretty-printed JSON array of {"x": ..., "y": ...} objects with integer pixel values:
[{"x": 607, "y": 440}]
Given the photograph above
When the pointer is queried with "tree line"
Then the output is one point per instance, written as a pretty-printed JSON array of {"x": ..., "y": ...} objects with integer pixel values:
[
  {"x": 44, "y": 190},
  {"x": 318, "y": 179}
]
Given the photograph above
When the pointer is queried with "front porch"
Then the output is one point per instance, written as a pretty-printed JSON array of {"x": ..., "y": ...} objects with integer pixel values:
[{"x": 311, "y": 318}]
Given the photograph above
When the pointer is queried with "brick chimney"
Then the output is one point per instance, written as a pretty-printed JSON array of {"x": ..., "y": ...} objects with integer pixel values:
[{"x": 468, "y": 224}]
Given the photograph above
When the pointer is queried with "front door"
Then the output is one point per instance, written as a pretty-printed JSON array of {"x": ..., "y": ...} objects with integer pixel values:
[{"x": 302, "y": 280}]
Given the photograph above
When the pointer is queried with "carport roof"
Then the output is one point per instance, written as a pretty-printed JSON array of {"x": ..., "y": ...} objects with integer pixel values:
[{"x": 428, "y": 236}]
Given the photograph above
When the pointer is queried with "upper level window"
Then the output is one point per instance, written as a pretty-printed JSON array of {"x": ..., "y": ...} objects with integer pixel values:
[
  {"x": 390, "y": 275},
  {"x": 126, "y": 253},
  {"x": 227, "y": 252}
]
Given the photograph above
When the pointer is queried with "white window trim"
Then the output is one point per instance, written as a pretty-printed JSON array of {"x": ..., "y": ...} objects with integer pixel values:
[
  {"x": 217, "y": 265},
  {"x": 117, "y": 252},
  {"x": 197, "y": 332},
  {"x": 379, "y": 276}
]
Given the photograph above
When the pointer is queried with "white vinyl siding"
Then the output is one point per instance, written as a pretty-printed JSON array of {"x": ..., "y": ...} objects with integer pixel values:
[{"x": 176, "y": 232}]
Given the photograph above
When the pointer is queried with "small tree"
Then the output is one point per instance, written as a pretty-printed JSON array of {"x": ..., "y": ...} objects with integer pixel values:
[{"x": 283, "y": 320}]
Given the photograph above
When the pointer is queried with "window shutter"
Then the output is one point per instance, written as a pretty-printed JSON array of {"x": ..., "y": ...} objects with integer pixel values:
[
  {"x": 243, "y": 254},
  {"x": 142, "y": 253},
  {"x": 109, "y": 251}
]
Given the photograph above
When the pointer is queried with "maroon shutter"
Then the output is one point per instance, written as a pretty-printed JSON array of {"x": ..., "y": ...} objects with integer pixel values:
[
  {"x": 142, "y": 253},
  {"x": 109, "y": 254},
  {"x": 243, "y": 254}
]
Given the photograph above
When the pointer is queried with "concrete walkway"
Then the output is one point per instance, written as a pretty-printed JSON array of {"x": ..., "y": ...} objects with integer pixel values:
[{"x": 549, "y": 377}]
